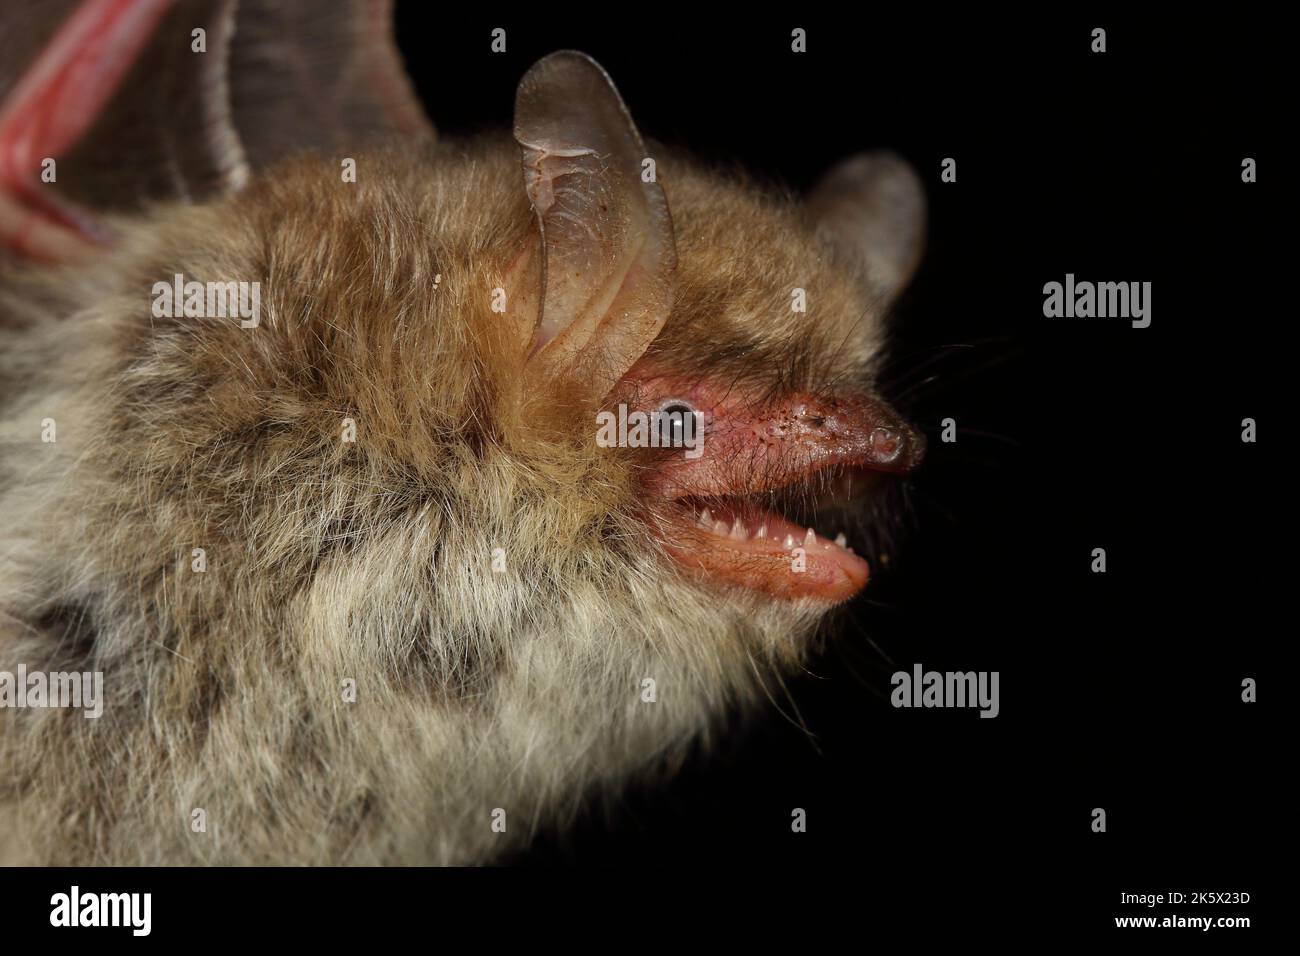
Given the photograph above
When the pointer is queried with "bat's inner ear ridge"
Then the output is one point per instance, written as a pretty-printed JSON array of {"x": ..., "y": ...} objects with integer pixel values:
[
  {"x": 608, "y": 250},
  {"x": 872, "y": 207}
]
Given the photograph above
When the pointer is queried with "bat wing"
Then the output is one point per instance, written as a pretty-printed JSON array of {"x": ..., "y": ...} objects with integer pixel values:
[
  {"x": 112, "y": 104},
  {"x": 321, "y": 75}
]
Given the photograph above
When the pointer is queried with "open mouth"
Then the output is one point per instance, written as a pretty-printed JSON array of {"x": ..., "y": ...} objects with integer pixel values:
[
  {"x": 772, "y": 542},
  {"x": 748, "y": 512}
]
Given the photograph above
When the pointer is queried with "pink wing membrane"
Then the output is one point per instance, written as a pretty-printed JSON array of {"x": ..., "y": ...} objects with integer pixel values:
[{"x": 131, "y": 113}]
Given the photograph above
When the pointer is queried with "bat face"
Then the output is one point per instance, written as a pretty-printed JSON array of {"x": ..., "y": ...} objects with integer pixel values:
[
  {"x": 400, "y": 469},
  {"x": 773, "y": 341},
  {"x": 406, "y": 346}
]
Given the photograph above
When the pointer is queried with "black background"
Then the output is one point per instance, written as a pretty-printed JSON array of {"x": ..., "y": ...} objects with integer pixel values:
[{"x": 1118, "y": 690}]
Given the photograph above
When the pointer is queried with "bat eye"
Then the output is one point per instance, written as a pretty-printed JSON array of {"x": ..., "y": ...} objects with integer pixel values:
[{"x": 677, "y": 431}]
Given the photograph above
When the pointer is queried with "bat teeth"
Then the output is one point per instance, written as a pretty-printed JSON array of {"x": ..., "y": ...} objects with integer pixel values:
[
  {"x": 809, "y": 539},
  {"x": 789, "y": 541},
  {"x": 761, "y": 532},
  {"x": 705, "y": 520},
  {"x": 841, "y": 540},
  {"x": 720, "y": 529},
  {"x": 738, "y": 531}
]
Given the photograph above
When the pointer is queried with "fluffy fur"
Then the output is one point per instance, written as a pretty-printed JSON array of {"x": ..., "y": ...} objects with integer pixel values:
[{"x": 372, "y": 560}]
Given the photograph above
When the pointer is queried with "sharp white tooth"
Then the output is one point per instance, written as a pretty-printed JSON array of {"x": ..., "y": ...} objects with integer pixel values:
[
  {"x": 789, "y": 541},
  {"x": 738, "y": 531},
  {"x": 706, "y": 519},
  {"x": 809, "y": 539},
  {"x": 761, "y": 532},
  {"x": 841, "y": 540},
  {"x": 719, "y": 529}
]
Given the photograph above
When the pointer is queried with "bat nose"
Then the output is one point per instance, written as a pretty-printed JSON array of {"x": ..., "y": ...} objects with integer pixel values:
[
  {"x": 893, "y": 445},
  {"x": 867, "y": 428}
]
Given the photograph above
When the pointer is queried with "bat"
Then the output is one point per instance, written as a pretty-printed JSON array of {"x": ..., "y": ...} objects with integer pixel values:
[{"x": 393, "y": 495}]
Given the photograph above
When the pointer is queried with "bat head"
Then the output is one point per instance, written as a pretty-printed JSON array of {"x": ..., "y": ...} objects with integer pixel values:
[
  {"x": 744, "y": 325},
  {"x": 527, "y": 350},
  {"x": 508, "y": 429}
]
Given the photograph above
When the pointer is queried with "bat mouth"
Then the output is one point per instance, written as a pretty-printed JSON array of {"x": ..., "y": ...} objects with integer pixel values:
[
  {"x": 758, "y": 502},
  {"x": 781, "y": 541}
]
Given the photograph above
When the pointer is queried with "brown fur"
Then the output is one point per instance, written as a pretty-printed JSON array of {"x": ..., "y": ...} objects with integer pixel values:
[{"x": 369, "y": 561}]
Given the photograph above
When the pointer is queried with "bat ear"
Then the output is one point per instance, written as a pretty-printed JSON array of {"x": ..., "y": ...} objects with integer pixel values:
[
  {"x": 608, "y": 252},
  {"x": 872, "y": 206},
  {"x": 328, "y": 76},
  {"x": 150, "y": 100}
]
